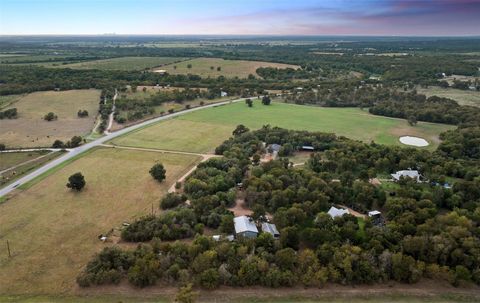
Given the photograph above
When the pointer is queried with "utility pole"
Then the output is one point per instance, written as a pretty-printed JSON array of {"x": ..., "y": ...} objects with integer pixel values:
[{"x": 8, "y": 249}]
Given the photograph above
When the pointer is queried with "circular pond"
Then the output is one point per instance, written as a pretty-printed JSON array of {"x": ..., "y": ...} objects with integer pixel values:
[{"x": 413, "y": 141}]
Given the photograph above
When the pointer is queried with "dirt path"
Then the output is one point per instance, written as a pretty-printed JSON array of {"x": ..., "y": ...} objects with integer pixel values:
[
  {"x": 110, "y": 117},
  {"x": 205, "y": 157},
  {"x": 353, "y": 212}
]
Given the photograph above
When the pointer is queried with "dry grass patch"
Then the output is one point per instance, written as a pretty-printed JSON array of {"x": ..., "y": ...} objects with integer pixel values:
[
  {"x": 228, "y": 68},
  {"x": 463, "y": 97},
  {"x": 31, "y": 130},
  {"x": 53, "y": 231}
]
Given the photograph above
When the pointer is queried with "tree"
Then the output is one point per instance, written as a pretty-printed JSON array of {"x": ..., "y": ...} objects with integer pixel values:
[
  {"x": 82, "y": 113},
  {"x": 249, "y": 102},
  {"x": 50, "y": 116},
  {"x": 2, "y": 146},
  {"x": 58, "y": 144},
  {"x": 210, "y": 278},
  {"x": 189, "y": 66},
  {"x": 186, "y": 294},
  {"x": 158, "y": 172},
  {"x": 74, "y": 142},
  {"x": 240, "y": 129},
  {"x": 266, "y": 100},
  {"x": 219, "y": 68},
  {"x": 256, "y": 158},
  {"x": 76, "y": 182}
]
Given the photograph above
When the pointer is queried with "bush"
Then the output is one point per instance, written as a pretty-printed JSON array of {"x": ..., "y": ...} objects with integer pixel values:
[
  {"x": 9, "y": 114},
  {"x": 172, "y": 200},
  {"x": 50, "y": 117},
  {"x": 82, "y": 113}
]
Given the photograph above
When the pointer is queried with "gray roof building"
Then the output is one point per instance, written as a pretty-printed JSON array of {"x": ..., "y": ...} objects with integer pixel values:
[
  {"x": 271, "y": 229},
  {"x": 245, "y": 226}
]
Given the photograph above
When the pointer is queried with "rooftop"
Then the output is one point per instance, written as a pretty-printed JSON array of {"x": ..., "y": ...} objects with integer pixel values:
[{"x": 243, "y": 224}]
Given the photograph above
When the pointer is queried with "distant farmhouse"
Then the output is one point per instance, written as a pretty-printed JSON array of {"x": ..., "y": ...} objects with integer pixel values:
[
  {"x": 245, "y": 227},
  {"x": 337, "y": 212},
  {"x": 413, "y": 174}
]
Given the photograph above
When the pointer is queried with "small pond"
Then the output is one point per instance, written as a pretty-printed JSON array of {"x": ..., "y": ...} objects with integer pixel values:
[{"x": 413, "y": 141}]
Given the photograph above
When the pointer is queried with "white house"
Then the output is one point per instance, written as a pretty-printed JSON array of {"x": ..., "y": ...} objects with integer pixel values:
[
  {"x": 413, "y": 174},
  {"x": 223, "y": 94},
  {"x": 337, "y": 212},
  {"x": 245, "y": 227}
]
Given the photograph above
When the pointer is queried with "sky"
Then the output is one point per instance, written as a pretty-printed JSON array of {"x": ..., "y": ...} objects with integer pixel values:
[{"x": 241, "y": 17}]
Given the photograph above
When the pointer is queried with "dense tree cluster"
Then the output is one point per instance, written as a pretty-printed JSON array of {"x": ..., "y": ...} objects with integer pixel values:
[{"x": 431, "y": 231}]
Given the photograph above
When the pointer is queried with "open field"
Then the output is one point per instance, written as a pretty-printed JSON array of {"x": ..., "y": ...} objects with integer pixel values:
[
  {"x": 178, "y": 134},
  {"x": 23, "y": 162},
  {"x": 229, "y": 68},
  {"x": 124, "y": 63},
  {"x": 11, "y": 159},
  {"x": 53, "y": 231},
  {"x": 463, "y": 97},
  {"x": 31, "y": 130},
  {"x": 202, "y": 131}
]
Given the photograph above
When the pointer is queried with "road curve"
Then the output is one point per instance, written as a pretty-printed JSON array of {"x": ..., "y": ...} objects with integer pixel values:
[{"x": 83, "y": 148}]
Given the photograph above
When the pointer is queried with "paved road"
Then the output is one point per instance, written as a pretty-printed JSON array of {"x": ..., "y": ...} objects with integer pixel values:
[{"x": 83, "y": 148}]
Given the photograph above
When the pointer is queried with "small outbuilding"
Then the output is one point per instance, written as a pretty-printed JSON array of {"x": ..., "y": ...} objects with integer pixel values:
[
  {"x": 271, "y": 229},
  {"x": 245, "y": 227},
  {"x": 337, "y": 212},
  {"x": 308, "y": 148},
  {"x": 412, "y": 174}
]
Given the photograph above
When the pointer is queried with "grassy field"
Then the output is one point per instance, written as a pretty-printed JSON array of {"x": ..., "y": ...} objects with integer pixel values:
[
  {"x": 53, "y": 231},
  {"x": 229, "y": 68},
  {"x": 30, "y": 130},
  {"x": 203, "y": 130},
  {"x": 463, "y": 97},
  {"x": 124, "y": 63},
  {"x": 24, "y": 162},
  {"x": 5, "y": 101}
]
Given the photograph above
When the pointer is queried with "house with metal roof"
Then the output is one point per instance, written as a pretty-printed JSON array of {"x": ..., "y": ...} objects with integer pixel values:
[
  {"x": 271, "y": 229},
  {"x": 413, "y": 174},
  {"x": 337, "y": 212},
  {"x": 245, "y": 227}
]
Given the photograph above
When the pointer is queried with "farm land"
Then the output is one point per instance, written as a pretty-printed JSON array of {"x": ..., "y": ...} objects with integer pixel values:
[
  {"x": 53, "y": 231},
  {"x": 209, "y": 67},
  {"x": 31, "y": 130},
  {"x": 214, "y": 125}
]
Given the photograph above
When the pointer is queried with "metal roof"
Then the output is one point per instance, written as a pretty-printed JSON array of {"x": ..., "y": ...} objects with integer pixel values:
[
  {"x": 337, "y": 212},
  {"x": 243, "y": 224},
  {"x": 414, "y": 174},
  {"x": 270, "y": 228}
]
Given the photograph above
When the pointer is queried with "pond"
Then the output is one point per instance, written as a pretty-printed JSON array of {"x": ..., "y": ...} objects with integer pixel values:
[{"x": 413, "y": 141}]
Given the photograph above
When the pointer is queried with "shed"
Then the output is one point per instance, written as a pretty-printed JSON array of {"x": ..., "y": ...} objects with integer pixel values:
[
  {"x": 274, "y": 147},
  {"x": 245, "y": 227},
  {"x": 271, "y": 229},
  {"x": 337, "y": 212},
  {"x": 308, "y": 147}
]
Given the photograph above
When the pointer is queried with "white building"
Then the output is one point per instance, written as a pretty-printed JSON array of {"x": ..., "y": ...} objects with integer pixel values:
[
  {"x": 337, "y": 212},
  {"x": 413, "y": 174}
]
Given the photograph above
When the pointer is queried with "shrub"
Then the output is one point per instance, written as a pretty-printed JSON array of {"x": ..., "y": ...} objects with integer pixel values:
[
  {"x": 76, "y": 182},
  {"x": 158, "y": 172}
]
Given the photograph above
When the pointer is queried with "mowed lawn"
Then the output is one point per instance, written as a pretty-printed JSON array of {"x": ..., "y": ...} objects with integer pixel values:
[
  {"x": 124, "y": 63},
  {"x": 31, "y": 130},
  {"x": 228, "y": 68},
  {"x": 203, "y": 130},
  {"x": 53, "y": 231},
  {"x": 463, "y": 97}
]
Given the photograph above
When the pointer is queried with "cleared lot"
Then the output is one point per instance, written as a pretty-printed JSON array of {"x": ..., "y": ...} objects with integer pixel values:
[
  {"x": 208, "y": 67},
  {"x": 124, "y": 63},
  {"x": 463, "y": 97},
  {"x": 53, "y": 231}
]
